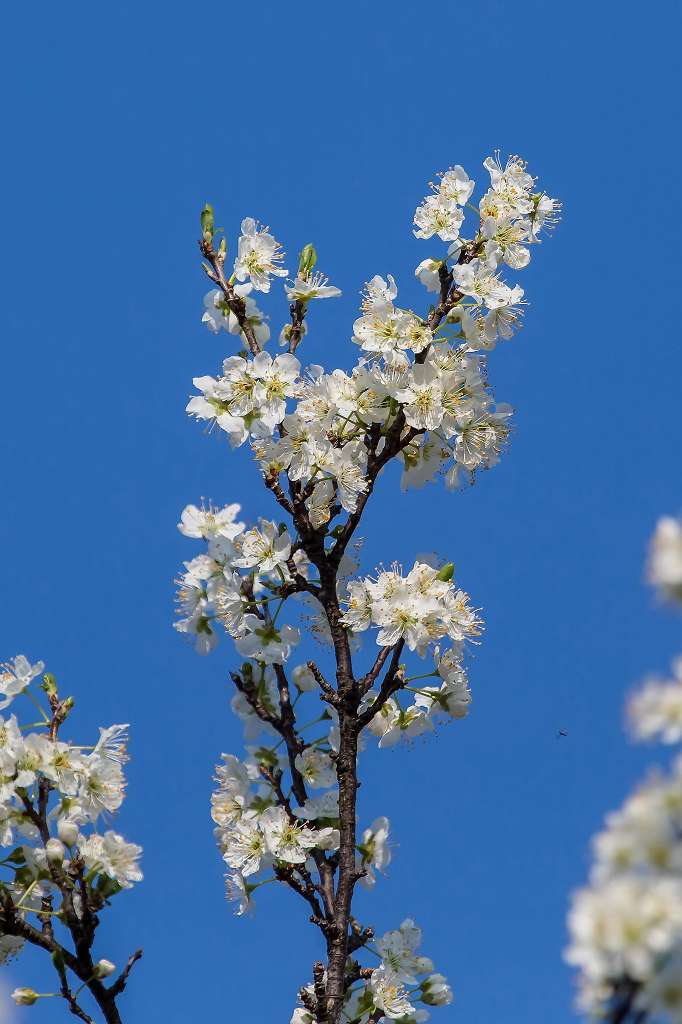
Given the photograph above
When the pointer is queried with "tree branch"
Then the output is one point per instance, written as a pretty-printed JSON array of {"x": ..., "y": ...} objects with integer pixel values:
[
  {"x": 393, "y": 681},
  {"x": 216, "y": 273}
]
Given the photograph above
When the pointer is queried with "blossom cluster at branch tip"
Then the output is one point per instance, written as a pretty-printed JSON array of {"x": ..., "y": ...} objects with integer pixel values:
[
  {"x": 419, "y": 608},
  {"x": 52, "y": 796}
]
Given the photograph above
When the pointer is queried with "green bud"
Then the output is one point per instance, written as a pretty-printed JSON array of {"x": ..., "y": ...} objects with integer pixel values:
[
  {"x": 447, "y": 572},
  {"x": 222, "y": 248},
  {"x": 49, "y": 684},
  {"x": 336, "y": 532},
  {"x": 307, "y": 259},
  {"x": 207, "y": 223}
]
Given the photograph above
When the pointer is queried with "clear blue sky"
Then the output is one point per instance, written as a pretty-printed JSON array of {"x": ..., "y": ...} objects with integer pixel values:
[{"x": 326, "y": 122}]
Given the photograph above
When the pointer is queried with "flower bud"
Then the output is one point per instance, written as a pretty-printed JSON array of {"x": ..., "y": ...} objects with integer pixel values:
[
  {"x": 24, "y": 996},
  {"x": 54, "y": 849},
  {"x": 307, "y": 259},
  {"x": 49, "y": 684},
  {"x": 436, "y": 991},
  {"x": 207, "y": 223},
  {"x": 67, "y": 831},
  {"x": 447, "y": 572},
  {"x": 103, "y": 968}
]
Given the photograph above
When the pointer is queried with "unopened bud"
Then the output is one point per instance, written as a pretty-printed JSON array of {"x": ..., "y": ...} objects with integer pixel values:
[
  {"x": 24, "y": 996},
  {"x": 55, "y": 851},
  {"x": 447, "y": 572},
  {"x": 207, "y": 223},
  {"x": 103, "y": 968},
  {"x": 307, "y": 259},
  {"x": 67, "y": 831},
  {"x": 436, "y": 991},
  {"x": 49, "y": 684}
]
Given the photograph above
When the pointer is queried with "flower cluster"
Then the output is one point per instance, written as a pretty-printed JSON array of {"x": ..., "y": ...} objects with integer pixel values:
[
  {"x": 242, "y": 573},
  {"x": 255, "y": 834},
  {"x": 655, "y": 711},
  {"x": 418, "y": 394},
  {"x": 218, "y": 315},
  {"x": 626, "y": 926},
  {"x": 53, "y": 793},
  {"x": 234, "y": 581},
  {"x": 450, "y": 699},
  {"x": 403, "y": 978},
  {"x": 410, "y": 372},
  {"x": 419, "y": 608}
]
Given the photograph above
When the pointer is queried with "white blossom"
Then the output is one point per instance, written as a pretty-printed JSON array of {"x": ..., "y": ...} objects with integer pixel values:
[
  {"x": 258, "y": 256},
  {"x": 374, "y": 851},
  {"x": 265, "y": 547},
  {"x": 113, "y": 856},
  {"x": 655, "y": 711},
  {"x": 15, "y": 676},
  {"x": 316, "y": 767},
  {"x": 288, "y": 840},
  {"x": 210, "y": 522},
  {"x": 311, "y": 286}
]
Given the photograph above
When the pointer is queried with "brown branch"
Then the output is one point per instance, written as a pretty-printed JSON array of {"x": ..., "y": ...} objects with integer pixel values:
[
  {"x": 359, "y": 936},
  {"x": 338, "y": 872},
  {"x": 68, "y": 995},
  {"x": 272, "y": 483},
  {"x": 216, "y": 272},
  {"x": 298, "y": 311},
  {"x": 395, "y": 441},
  {"x": 330, "y": 694},
  {"x": 368, "y": 680},
  {"x": 122, "y": 979},
  {"x": 393, "y": 681},
  {"x": 320, "y": 992},
  {"x": 305, "y": 889}
]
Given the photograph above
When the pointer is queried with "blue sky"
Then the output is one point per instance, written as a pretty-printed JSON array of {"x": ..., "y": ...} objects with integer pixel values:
[{"x": 123, "y": 120}]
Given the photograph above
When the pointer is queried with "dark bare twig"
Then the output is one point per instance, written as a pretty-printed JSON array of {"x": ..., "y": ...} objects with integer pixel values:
[
  {"x": 216, "y": 272},
  {"x": 393, "y": 681},
  {"x": 122, "y": 979},
  {"x": 297, "y": 311},
  {"x": 330, "y": 695}
]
